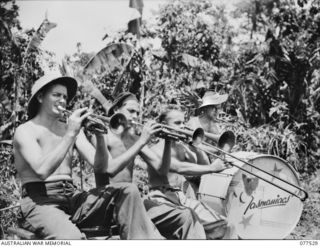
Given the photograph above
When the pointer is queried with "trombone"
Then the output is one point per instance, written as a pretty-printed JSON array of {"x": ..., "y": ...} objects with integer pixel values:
[
  {"x": 114, "y": 122},
  {"x": 225, "y": 143}
]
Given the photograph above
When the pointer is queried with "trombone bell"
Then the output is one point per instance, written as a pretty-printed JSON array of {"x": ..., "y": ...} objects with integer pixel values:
[
  {"x": 227, "y": 141},
  {"x": 198, "y": 136}
]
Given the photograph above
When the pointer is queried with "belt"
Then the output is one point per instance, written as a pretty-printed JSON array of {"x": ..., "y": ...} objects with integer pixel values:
[
  {"x": 47, "y": 188},
  {"x": 164, "y": 188}
]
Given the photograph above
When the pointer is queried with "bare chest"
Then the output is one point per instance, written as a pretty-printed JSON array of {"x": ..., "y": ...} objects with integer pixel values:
[
  {"x": 210, "y": 127},
  {"x": 49, "y": 140},
  {"x": 116, "y": 145},
  {"x": 178, "y": 152},
  {"x": 183, "y": 153}
]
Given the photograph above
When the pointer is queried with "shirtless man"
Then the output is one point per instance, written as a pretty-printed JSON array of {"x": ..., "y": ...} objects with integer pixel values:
[
  {"x": 43, "y": 148},
  {"x": 207, "y": 120},
  {"x": 184, "y": 162},
  {"x": 172, "y": 221},
  {"x": 208, "y": 113}
]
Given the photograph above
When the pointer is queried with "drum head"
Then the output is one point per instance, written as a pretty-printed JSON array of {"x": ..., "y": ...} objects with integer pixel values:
[{"x": 258, "y": 210}]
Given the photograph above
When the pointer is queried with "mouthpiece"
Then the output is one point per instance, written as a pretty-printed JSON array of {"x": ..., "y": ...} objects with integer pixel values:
[{"x": 61, "y": 108}]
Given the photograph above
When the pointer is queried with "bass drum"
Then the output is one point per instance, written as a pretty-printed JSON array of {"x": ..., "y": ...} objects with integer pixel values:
[{"x": 254, "y": 208}]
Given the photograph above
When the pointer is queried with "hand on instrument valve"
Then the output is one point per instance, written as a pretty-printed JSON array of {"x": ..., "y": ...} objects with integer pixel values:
[
  {"x": 150, "y": 129},
  {"x": 219, "y": 165},
  {"x": 75, "y": 120},
  {"x": 97, "y": 127}
]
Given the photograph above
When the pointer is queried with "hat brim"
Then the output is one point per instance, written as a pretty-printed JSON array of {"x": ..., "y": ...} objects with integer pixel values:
[
  {"x": 221, "y": 99},
  {"x": 119, "y": 100},
  {"x": 69, "y": 82}
]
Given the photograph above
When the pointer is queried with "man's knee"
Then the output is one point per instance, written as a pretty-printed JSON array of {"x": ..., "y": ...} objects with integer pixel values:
[
  {"x": 190, "y": 227},
  {"x": 130, "y": 189},
  {"x": 217, "y": 232},
  {"x": 65, "y": 232},
  {"x": 187, "y": 216},
  {"x": 122, "y": 188}
]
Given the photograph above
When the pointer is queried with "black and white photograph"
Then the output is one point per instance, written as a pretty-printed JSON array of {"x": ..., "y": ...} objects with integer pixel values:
[{"x": 159, "y": 120}]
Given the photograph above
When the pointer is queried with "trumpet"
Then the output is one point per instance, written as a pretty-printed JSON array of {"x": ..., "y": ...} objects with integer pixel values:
[
  {"x": 225, "y": 141},
  {"x": 113, "y": 122}
]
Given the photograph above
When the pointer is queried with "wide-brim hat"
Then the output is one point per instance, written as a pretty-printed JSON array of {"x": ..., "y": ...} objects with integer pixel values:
[
  {"x": 119, "y": 101},
  {"x": 213, "y": 98},
  {"x": 45, "y": 80}
]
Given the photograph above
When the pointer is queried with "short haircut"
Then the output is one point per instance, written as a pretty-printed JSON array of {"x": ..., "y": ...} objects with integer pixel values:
[
  {"x": 118, "y": 102},
  {"x": 164, "y": 114}
]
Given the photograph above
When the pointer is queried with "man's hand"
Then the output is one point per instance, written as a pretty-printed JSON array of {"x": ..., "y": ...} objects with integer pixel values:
[
  {"x": 149, "y": 130},
  {"x": 219, "y": 165},
  {"x": 96, "y": 127},
  {"x": 75, "y": 121}
]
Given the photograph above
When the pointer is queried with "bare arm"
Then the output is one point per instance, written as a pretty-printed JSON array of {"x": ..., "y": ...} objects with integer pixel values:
[
  {"x": 97, "y": 157},
  {"x": 158, "y": 161},
  {"x": 117, "y": 164},
  {"x": 166, "y": 158},
  {"x": 44, "y": 164},
  {"x": 192, "y": 169},
  {"x": 101, "y": 161},
  {"x": 202, "y": 157}
]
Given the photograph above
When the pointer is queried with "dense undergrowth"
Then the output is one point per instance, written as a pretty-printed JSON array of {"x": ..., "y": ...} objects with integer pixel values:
[{"x": 264, "y": 54}]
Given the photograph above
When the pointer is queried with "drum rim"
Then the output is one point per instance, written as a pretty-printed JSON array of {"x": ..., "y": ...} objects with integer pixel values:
[
  {"x": 294, "y": 171},
  {"x": 297, "y": 179}
]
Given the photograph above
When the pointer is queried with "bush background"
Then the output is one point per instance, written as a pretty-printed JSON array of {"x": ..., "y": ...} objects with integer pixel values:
[{"x": 264, "y": 54}]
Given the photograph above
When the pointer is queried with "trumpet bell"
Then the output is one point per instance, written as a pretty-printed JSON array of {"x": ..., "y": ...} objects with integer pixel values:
[{"x": 118, "y": 120}]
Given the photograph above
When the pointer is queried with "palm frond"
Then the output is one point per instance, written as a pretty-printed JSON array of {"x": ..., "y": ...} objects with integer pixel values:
[
  {"x": 109, "y": 58},
  {"x": 40, "y": 34},
  {"x": 112, "y": 57},
  {"x": 189, "y": 99},
  {"x": 65, "y": 69}
]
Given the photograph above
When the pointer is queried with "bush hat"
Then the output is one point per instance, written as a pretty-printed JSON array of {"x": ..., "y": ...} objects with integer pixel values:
[
  {"x": 45, "y": 80},
  {"x": 120, "y": 100},
  {"x": 213, "y": 98}
]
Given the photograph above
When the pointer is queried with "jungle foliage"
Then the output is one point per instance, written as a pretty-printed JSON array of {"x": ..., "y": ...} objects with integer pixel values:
[{"x": 264, "y": 54}]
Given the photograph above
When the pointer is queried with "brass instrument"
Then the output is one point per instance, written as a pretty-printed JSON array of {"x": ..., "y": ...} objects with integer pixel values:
[
  {"x": 113, "y": 122},
  {"x": 225, "y": 143},
  {"x": 302, "y": 198}
]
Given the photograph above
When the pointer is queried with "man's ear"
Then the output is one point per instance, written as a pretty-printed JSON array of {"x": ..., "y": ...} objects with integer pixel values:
[
  {"x": 116, "y": 109},
  {"x": 39, "y": 97}
]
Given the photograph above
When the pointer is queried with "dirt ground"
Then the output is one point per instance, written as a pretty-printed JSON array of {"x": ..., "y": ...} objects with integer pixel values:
[{"x": 308, "y": 227}]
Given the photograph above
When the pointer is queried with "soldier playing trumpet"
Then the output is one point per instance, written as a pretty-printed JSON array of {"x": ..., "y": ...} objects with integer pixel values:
[
  {"x": 43, "y": 149},
  {"x": 173, "y": 222}
]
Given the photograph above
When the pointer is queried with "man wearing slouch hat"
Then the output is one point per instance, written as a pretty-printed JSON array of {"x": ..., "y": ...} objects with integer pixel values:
[{"x": 207, "y": 119}]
